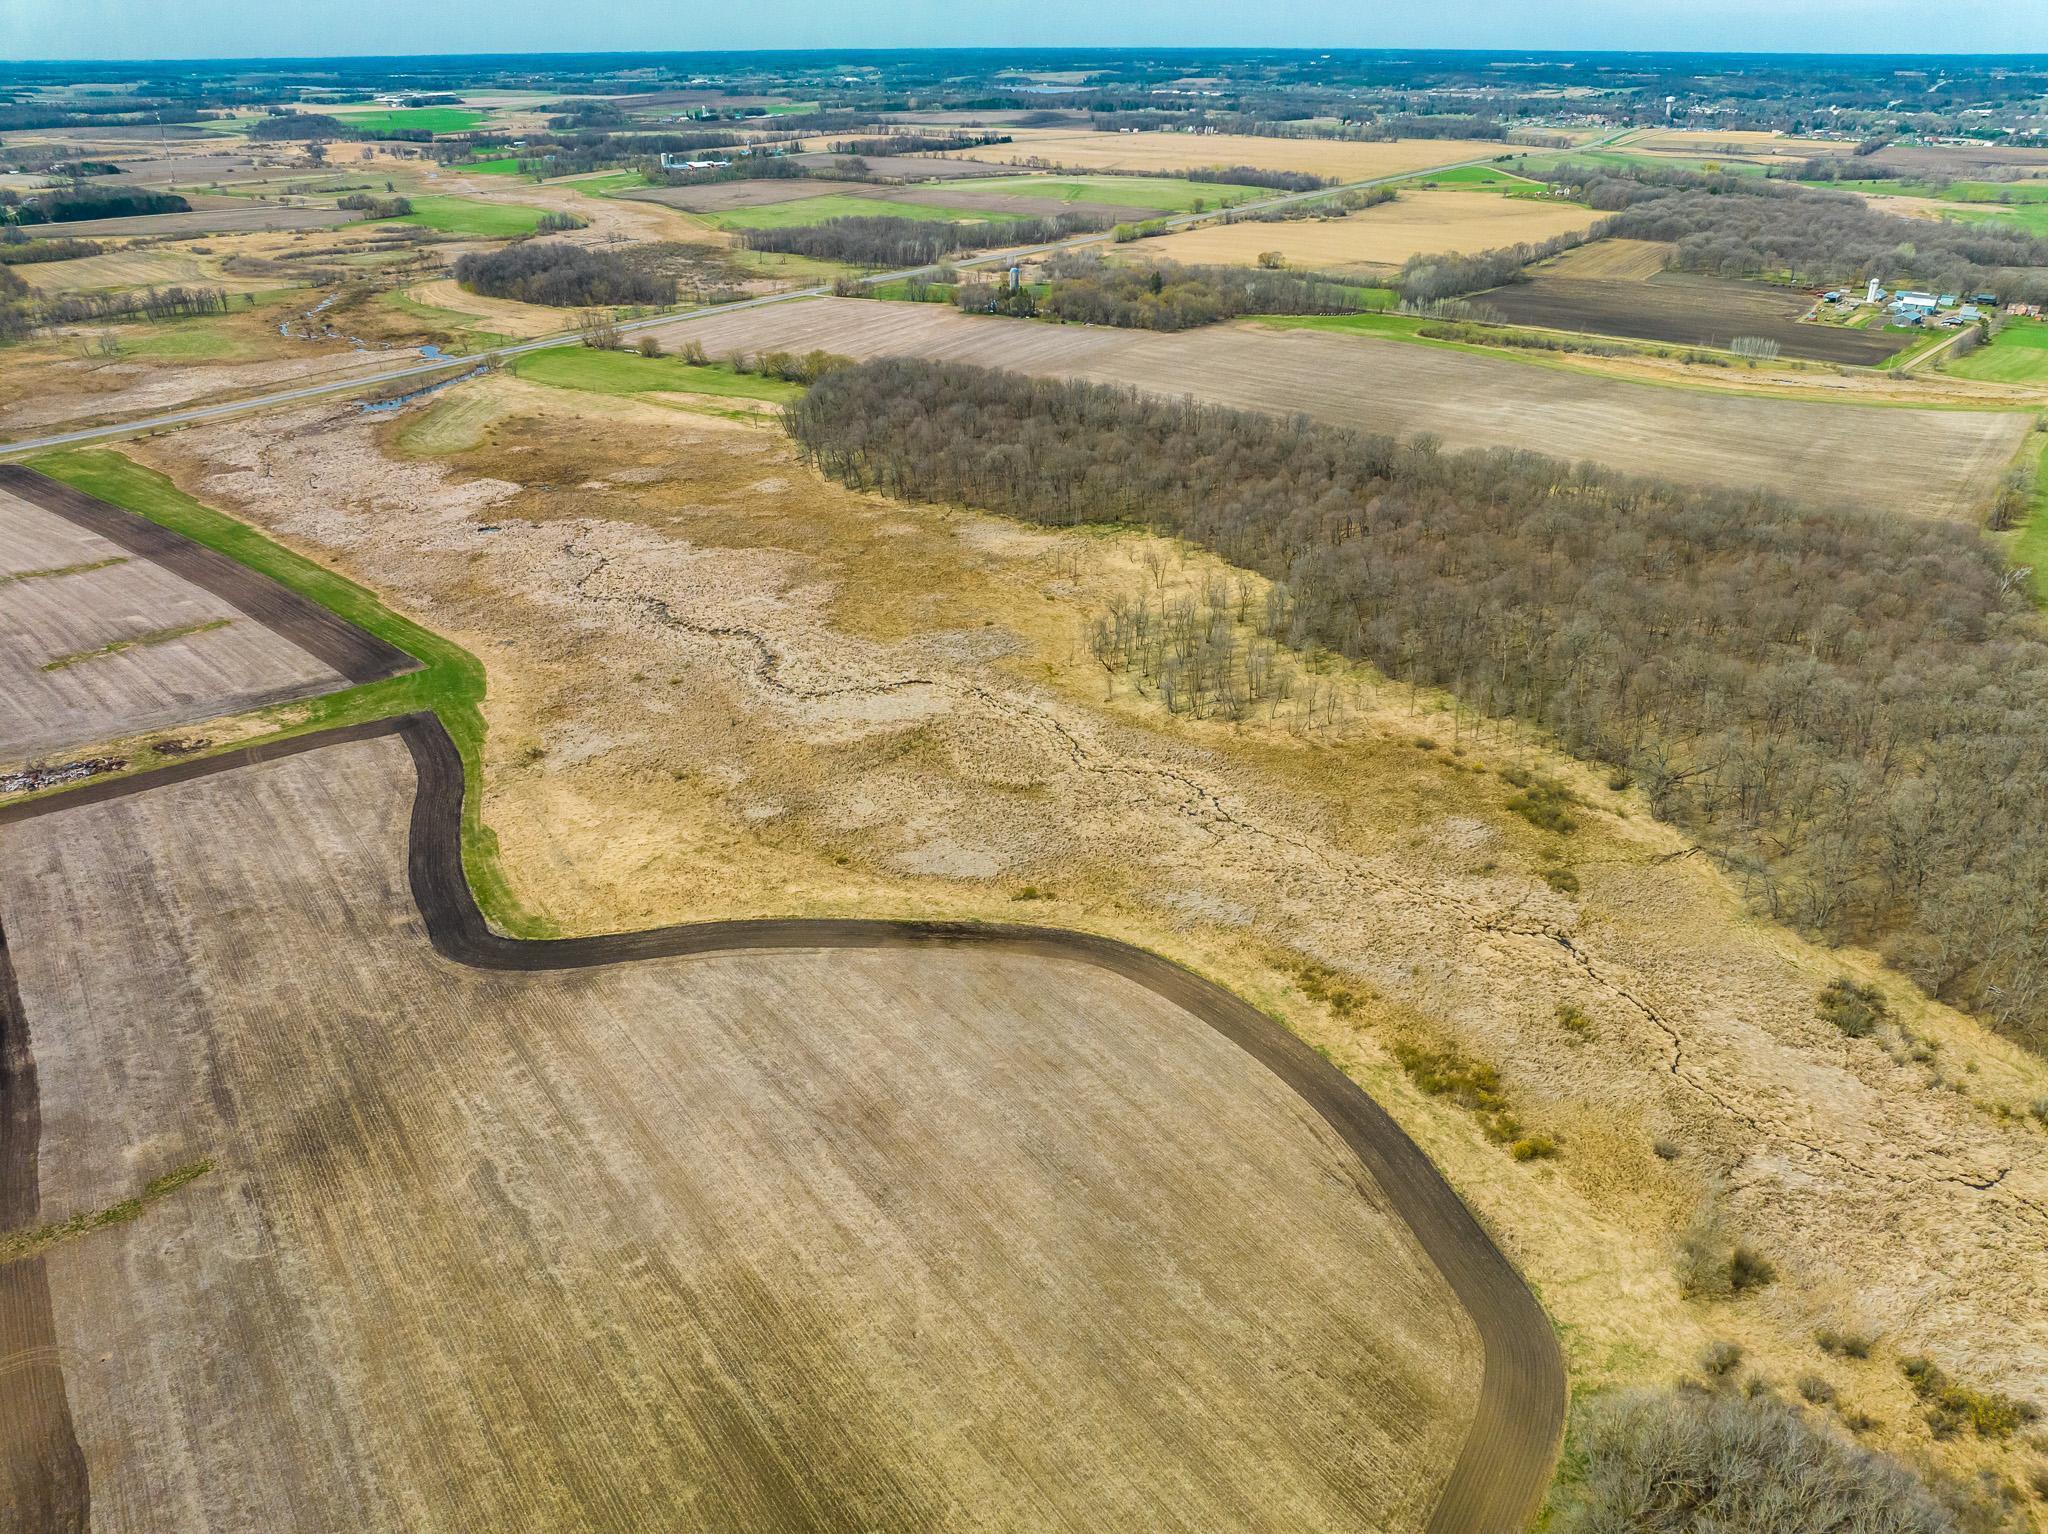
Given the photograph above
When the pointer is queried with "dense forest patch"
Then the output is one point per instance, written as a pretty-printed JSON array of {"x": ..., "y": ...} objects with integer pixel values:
[{"x": 565, "y": 276}]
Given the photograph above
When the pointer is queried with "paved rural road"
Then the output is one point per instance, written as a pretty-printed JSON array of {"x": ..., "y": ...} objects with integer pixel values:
[
  {"x": 445, "y": 365},
  {"x": 1503, "y": 1465}
]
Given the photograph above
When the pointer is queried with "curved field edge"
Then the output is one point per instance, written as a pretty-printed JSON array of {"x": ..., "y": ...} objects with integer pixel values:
[
  {"x": 1504, "y": 1464},
  {"x": 450, "y": 682}
]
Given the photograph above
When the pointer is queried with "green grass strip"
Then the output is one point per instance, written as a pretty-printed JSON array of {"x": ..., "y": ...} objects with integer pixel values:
[
  {"x": 450, "y": 682},
  {"x": 136, "y": 642},
  {"x": 19, "y": 1244},
  {"x": 607, "y": 372},
  {"x": 2030, "y": 544},
  {"x": 56, "y": 570}
]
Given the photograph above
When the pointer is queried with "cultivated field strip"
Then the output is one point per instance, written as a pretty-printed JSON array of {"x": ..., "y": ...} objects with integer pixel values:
[
  {"x": 1806, "y": 450},
  {"x": 830, "y": 1225},
  {"x": 96, "y": 643},
  {"x": 111, "y": 625},
  {"x": 1418, "y": 223}
]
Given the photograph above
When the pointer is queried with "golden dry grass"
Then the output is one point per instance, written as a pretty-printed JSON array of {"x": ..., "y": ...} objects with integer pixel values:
[
  {"x": 1735, "y": 143},
  {"x": 502, "y": 315},
  {"x": 1612, "y": 260},
  {"x": 1192, "y": 151},
  {"x": 157, "y": 266},
  {"x": 1415, "y": 224},
  {"x": 933, "y": 736}
]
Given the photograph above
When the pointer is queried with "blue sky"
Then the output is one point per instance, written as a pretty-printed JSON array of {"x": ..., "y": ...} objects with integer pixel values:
[{"x": 203, "y": 28}]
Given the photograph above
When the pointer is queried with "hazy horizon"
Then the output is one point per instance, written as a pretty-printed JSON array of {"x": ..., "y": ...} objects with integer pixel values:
[{"x": 113, "y": 30}]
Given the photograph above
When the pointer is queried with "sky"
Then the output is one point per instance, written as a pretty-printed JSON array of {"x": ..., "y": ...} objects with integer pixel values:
[{"x": 61, "y": 29}]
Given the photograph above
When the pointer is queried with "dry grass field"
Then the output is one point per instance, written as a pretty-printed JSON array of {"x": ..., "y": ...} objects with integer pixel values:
[
  {"x": 1612, "y": 261},
  {"x": 719, "y": 686},
  {"x": 833, "y": 1240},
  {"x": 1736, "y": 144},
  {"x": 1793, "y": 446},
  {"x": 1416, "y": 224},
  {"x": 1194, "y": 151},
  {"x": 96, "y": 643},
  {"x": 136, "y": 267},
  {"x": 504, "y": 316}
]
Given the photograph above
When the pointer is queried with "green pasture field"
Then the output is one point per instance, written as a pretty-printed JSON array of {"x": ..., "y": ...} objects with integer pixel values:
[
  {"x": 1165, "y": 194},
  {"x": 467, "y": 215},
  {"x": 2017, "y": 355},
  {"x": 414, "y": 119},
  {"x": 602, "y": 372},
  {"x": 816, "y": 210}
]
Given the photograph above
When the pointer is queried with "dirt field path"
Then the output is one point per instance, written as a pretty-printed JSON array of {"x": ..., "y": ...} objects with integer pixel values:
[{"x": 1505, "y": 1453}]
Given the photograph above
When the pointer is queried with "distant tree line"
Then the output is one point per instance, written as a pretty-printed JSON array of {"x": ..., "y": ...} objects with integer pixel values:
[
  {"x": 1430, "y": 279},
  {"x": 150, "y": 303},
  {"x": 1254, "y": 175},
  {"x": 1085, "y": 289},
  {"x": 1844, "y": 708},
  {"x": 23, "y": 251},
  {"x": 72, "y": 204},
  {"x": 563, "y": 276},
  {"x": 917, "y": 143},
  {"x": 887, "y": 242},
  {"x": 1337, "y": 206}
]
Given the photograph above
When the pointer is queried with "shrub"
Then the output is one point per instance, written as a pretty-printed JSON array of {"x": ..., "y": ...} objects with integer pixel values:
[
  {"x": 1721, "y": 1359},
  {"x": 1666, "y": 1150},
  {"x": 1685, "y": 1462},
  {"x": 1561, "y": 879},
  {"x": 557, "y": 223},
  {"x": 648, "y": 346},
  {"x": 1544, "y": 804},
  {"x": 1815, "y": 1389},
  {"x": 692, "y": 352},
  {"x": 1573, "y": 1019},
  {"x": 1472, "y": 1084},
  {"x": 1749, "y": 1269},
  {"x": 1842, "y": 1344},
  {"x": 1533, "y": 1148},
  {"x": 1854, "y": 1008},
  {"x": 1952, "y": 1407}
]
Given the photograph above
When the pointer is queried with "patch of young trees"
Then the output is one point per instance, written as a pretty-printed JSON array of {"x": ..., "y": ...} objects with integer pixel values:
[
  {"x": 1429, "y": 279},
  {"x": 372, "y": 206},
  {"x": 1844, "y": 708},
  {"x": 564, "y": 276},
  {"x": 1085, "y": 289},
  {"x": 20, "y": 250},
  {"x": 151, "y": 303},
  {"x": 888, "y": 242}
]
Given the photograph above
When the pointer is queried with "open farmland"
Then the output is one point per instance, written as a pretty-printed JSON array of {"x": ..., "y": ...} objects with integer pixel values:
[
  {"x": 778, "y": 1232},
  {"x": 723, "y": 196},
  {"x": 238, "y": 219},
  {"x": 98, "y": 639},
  {"x": 1735, "y": 144},
  {"x": 1686, "y": 310},
  {"x": 1792, "y": 446},
  {"x": 1416, "y": 223},
  {"x": 1190, "y": 151},
  {"x": 153, "y": 266},
  {"x": 2017, "y": 355},
  {"x": 1613, "y": 260}
]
